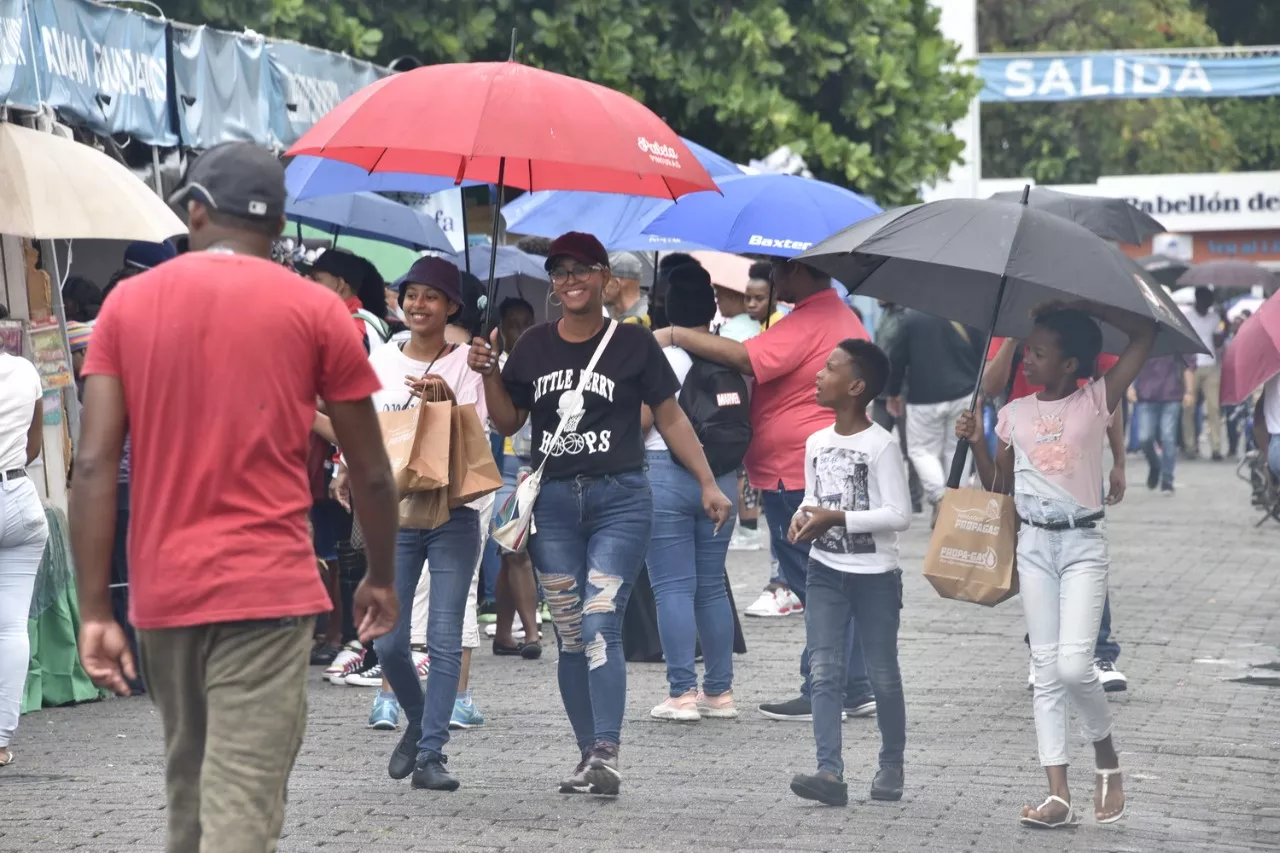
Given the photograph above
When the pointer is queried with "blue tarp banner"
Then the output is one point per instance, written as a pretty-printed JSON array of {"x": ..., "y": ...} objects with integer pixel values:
[
  {"x": 225, "y": 87},
  {"x": 17, "y": 65},
  {"x": 104, "y": 68},
  {"x": 1106, "y": 76},
  {"x": 313, "y": 82}
]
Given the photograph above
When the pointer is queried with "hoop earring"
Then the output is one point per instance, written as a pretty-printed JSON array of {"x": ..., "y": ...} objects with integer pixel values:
[{"x": 554, "y": 301}]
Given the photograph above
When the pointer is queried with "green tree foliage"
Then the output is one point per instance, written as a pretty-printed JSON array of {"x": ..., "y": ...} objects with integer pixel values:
[{"x": 864, "y": 89}]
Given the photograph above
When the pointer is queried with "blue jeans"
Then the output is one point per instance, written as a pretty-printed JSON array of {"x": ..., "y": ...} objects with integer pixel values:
[
  {"x": 875, "y": 602},
  {"x": 591, "y": 533},
  {"x": 1158, "y": 424},
  {"x": 793, "y": 559},
  {"x": 451, "y": 551},
  {"x": 686, "y": 569}
]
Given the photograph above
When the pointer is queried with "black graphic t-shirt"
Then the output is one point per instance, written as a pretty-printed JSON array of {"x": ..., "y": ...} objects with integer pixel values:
[{"x": 603, "y": 436}]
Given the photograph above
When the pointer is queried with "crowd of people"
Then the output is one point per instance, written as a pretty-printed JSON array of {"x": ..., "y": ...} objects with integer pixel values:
[{"x": 659, "y": 420}]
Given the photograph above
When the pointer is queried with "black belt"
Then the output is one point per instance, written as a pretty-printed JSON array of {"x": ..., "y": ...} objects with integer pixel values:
[
  {"x": 1086, "y": 522},
  {"x": 15, "y": 474}
]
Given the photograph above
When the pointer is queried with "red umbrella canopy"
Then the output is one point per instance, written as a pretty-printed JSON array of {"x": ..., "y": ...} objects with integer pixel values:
[{"x": 541, "y": 130}]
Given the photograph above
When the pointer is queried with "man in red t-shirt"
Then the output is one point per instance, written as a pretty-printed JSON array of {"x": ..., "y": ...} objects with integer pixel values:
[
  {"x": 784, "y": 360},
  {"x": 215, "y": 360},
  {"x": 1003, "y": 378}
]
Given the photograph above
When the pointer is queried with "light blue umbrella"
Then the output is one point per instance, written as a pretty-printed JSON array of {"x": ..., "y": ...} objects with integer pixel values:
[
  {"x": 779, "y": 215},
  {"x": 615, "y": 220},
  {"x": 512, "y": 262},
  {"x": 371, "y": 216},
  {"x": 312, "y": 177}
]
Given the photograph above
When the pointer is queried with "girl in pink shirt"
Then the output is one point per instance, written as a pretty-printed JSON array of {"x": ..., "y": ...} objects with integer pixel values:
[{"x": 1049, "y": 456}]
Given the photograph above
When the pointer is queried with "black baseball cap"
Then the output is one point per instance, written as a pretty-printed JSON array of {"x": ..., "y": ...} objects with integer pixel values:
[{"x": 237, "y": 178}]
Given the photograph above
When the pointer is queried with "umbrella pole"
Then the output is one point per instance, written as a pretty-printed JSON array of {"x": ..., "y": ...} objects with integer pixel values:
[
  {"x": 962, "y": 448},
  {"x": 493, "y": 251},
  {"x": 466, "y": 241}
]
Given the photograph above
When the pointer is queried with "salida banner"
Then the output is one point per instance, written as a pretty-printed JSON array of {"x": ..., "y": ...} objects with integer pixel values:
[{"x": 1108, "y": 76}]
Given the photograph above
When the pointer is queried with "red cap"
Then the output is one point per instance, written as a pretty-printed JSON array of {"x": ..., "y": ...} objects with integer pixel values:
[{"x": 584, "y": 248}]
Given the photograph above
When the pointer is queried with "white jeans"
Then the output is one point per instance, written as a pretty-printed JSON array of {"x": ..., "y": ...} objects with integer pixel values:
[
  {"x": 931, "y": 442},
  {"x": 470, "y": 621},
  {"x": 23, "y": 532},
  {"x": 1063, "y": 577}
]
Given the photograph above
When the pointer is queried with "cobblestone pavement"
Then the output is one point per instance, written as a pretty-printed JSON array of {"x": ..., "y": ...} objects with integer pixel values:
[{"x": 1196, "y": 596}]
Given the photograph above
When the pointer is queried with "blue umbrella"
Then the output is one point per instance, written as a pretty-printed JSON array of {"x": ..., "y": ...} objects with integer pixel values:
[
  {"x": 780, "y": 215},
  {"x": 311, "y": 177},
  {"x": 512, "y": 262},
  {"x": 372, "y": 216},
  {"x": 615, "y": 220}
]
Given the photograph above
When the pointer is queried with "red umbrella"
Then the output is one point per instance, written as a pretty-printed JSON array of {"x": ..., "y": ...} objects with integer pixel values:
[
  {"x": 510, "y": 124},
  {"x": 507, "y": 124},
  {"x": 1254, "y": 354}
]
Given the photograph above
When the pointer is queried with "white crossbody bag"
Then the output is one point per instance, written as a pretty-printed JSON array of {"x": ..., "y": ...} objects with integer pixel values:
[{"x": 513, "y": 523}]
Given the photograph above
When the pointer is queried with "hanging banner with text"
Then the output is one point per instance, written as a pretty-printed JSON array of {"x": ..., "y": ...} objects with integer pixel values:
[
  {"x": 1105, "y": 76},
  {"x": 225, "y": 87},
  {"x": 17, "y": 66},
  {"x": 312, "y": 81},
  {"x": 103, "y": 68}
]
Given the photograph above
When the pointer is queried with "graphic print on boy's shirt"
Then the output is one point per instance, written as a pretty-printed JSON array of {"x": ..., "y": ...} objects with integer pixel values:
[
  {"x": 842, "y": 484},
  {"x": 601, "y": 433}
]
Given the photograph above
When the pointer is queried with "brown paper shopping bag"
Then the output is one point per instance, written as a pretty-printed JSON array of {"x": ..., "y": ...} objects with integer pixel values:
[
  {"x": 417, "y": 440},
  {"x": 973, "y": 552},
  {"x": 425, "y": 510},
  {"x": 472, "y": 471},
  {"x": 398, "y": 431}
]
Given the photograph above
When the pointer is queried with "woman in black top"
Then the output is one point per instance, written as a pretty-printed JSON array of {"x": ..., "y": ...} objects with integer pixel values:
[{"x": 593, "y": 516}]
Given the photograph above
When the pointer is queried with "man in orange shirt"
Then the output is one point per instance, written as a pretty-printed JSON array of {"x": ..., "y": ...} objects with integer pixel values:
[
  {"x": 224, "y": 588},
  {"x": 784, "y": 360}
]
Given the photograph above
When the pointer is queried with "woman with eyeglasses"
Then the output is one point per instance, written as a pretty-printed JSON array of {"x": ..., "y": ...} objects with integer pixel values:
[{"x": 593, "y": 515}]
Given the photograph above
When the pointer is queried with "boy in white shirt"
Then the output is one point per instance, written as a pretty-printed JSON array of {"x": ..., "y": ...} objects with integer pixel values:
[{"x": 856, "y": 501}]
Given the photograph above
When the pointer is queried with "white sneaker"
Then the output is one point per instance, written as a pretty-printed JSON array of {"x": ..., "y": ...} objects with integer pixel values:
[
  {"x": 791, "y": 604},
  {"x": 348, "y": 660},
  {"x": 746, "y": 540},
  {"x": 680, "y": 709},
  {"x": 1113, "y": 680},
  {"x": 770, "y": 603}
]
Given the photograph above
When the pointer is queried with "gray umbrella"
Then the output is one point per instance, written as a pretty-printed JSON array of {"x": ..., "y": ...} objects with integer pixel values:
[
  {"x": 1231, "y": 275},
  {"x": 1109, "y": 218},
  {"x": 1163, "y": 268},
  {"x": 988, "y": 265}
]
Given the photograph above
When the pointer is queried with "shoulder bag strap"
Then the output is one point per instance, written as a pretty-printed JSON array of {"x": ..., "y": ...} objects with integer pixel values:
[{"x": 582, "y": 384}]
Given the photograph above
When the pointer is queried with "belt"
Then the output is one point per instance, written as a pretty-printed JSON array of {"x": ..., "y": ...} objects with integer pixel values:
[
  {"x": 15, "y": 474},
  {"x": 1086, "y": 522}
]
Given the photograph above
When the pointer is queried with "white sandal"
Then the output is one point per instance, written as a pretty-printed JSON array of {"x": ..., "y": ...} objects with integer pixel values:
[
  {"x": 9, "y": 757},
  {"x": 1068, "y": 820},
  {"x": 1124, "y": 805}
]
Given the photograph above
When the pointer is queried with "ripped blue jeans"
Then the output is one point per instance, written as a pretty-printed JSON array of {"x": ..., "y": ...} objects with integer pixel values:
[
  {"x": 1063, "y": 580},
  {"x": 591, "y": 535}
]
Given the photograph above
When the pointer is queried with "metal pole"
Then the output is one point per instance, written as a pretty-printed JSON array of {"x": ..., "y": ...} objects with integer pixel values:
[
  {"x": 155, "y": 171},
  {"x": 60, "y": 313},
  {"x": 466, "y": 241},
  {"x": 962, "y": 447},
  {"x": 493, "y": 250}
]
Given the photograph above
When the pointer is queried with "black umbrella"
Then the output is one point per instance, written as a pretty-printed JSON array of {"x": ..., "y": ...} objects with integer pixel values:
[
  {"x": 1229, "y": 275},
  {"x": 1163, "y": 268},
  {"x": 1109, "y": 218},
  {"x": 989, "y": 264}
]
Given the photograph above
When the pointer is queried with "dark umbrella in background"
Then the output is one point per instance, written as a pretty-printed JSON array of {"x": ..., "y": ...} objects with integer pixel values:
[
  {"x": 1163, "y": 268},
  {"x": 1109, "y": 218},
  {"x": 1229, "y": 275},
  {"x": 989, "y": 264}
]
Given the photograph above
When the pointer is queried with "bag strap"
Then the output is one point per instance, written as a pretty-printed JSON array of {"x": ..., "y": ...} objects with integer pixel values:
[
  {"x": 384, "y": 331},
  {"x": 582, "y": 384}
]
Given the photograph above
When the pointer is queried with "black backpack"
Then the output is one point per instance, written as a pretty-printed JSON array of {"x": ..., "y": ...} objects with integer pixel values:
[{"x": 715, "y": 399}]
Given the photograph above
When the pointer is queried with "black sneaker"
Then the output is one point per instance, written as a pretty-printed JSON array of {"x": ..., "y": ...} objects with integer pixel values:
[
  {"x": 405, "y": 755},
  {"x": 818, "y": 787},
  {"x": 322, "y": 654},
  {"x": 797, "y": 710},
  {"x": 1217, "y": 457},
  {"x": 602, "y": 770},
  {"x": 1113, "y": 680},
  {"x": 576, "y": 783},
  {"x": 887, "y": 785},
  {"x": 1153, "y": 478},
  {"x": 864, "y": 707},
  {"x": 430, "y": 774},
  {"x": 1167, "y": 489}
]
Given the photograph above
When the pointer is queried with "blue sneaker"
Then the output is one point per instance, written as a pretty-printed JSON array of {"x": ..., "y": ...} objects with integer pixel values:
[
  {"x": 465, "y": 715},
  {"x": 385, "y": 716}
]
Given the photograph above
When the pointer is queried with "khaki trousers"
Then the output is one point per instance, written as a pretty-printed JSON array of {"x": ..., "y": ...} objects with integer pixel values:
[
  {"x": 233, "y": 700},
  {"x": 1206, "y": 380}
]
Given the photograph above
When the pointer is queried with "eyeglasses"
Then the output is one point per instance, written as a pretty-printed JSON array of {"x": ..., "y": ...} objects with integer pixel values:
[{"x": 560, "y": 275}]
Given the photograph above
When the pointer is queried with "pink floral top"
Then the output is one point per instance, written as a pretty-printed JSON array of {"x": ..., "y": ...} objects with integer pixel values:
[{"x": 1062, "y": 439}]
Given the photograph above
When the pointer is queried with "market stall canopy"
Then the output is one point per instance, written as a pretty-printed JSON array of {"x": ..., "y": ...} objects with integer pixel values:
[{"x": 57, "y": 189}]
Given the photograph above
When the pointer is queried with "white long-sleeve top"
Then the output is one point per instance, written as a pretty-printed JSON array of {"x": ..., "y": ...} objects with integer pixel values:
[{"x": 862, "y": 475}]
